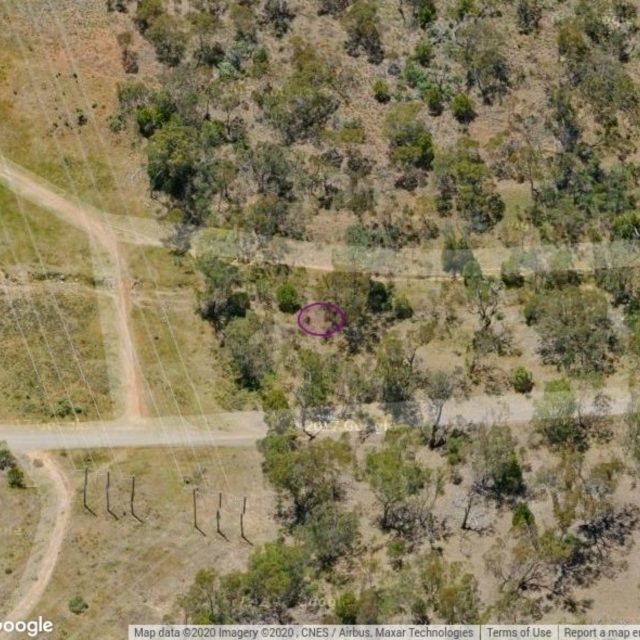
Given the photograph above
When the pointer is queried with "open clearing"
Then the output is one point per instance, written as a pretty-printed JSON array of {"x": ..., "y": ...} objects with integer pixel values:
[
  {"x": 141, "y": 567},
  {"x": 55, "y": 495},
  {"x": 53, "y": 360},
  {"x": 20, "y": 514},
  {"x": 58, "y": 62}
]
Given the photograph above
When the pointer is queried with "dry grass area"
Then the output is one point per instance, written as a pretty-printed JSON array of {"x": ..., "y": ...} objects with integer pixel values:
[
  {"x": 52, "y": 344},
  {"x": 129, "y": 571},
  {"x": 176, "y": 351},
  {"x": 53, "y": 354},
  {"x": 35, "y": 244},
  {"x": 51, "y": 334},
  {"x": 20, "y": 512},
  {"x": 58, "y": 63},
  {"x": 156, "y": 270},
  {"x": 58, "y": 342}
]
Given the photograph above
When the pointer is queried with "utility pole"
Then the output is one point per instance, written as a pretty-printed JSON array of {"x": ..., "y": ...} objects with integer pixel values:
[
  {"x": 107, "y": 494},
  {"x": 84, "y": 489},
  {"x": 195, "y": 511},
  {"x": 133, "y": 496}
]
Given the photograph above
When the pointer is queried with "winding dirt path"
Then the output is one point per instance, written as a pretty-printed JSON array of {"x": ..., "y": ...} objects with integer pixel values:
[
  {"x": 91, "y": 221},
  {"x": 54, "y": 518}
]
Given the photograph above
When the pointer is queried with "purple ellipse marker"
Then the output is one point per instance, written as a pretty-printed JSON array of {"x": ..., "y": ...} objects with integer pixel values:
[{"x": 327, "y": 305}]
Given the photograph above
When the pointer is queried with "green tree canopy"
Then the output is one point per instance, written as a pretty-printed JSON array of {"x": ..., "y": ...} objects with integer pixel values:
[
  {"x": 362, "y": 29},
  {"x": 411, "y": 144},
  {"x": 442, "y": 591},
  {"x": 576, "y": 332},
  {"x": 309, "y": 476},
  {"x": 464, "y": 180}
]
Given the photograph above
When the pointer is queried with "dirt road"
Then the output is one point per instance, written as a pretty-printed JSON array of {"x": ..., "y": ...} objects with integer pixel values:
[
  {"x": 91, "y": 221},
  {"x": 244, "y": 428},
  {"x": 57, "y": 495}
]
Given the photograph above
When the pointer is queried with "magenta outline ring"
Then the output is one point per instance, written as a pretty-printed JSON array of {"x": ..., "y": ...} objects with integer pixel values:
[{"x": 335, "y": 308}]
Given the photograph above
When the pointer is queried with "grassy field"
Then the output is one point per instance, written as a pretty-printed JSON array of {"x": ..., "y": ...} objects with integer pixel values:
[
  {"x": 53, "y": 356},
  {"x": 129, "y": 571},
  {"x": 20, "y": 512},
  {"x": 155, "y": 268},
  {"x": 58, "y": 76},
  {"x": 34, "y": 241},
  {"x": 53, "y": 362},
  {"x": 175, "y": 348}
]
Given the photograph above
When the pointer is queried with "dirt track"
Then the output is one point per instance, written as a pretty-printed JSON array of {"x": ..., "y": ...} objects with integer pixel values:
[{"x": 49, "y": 536}]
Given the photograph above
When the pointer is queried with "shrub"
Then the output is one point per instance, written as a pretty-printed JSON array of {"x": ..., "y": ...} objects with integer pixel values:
[
  {"x": 522, "y": 380},
  {"x": 415, "y": 75},
  {"x": 361, "y": 201},
  {"x": 464, "y": 8},
  {"x": 63, "y": 409},
  {"x": 426, "y": 13},
  {"x": 15, "y": 477},
  {"x": 462, "y": 108},
  {"x": 287, "y": 298},
  {"x": 274, "y": 400},
  {"x": 571, "y": 41},
  {"x": 464, "y": 181},
  {"x": 147, "y": 12},
  {"x": 279, "y": 15},
  {"x": 483, "y": 54},
  {"x": 7, "y": 458},
  {"x": 457, "y": 446},
  {"x": 410, "y": 141},
  {"x": 402, "y": 308},
  {"x": 529, "y": 14},
  {"x": 471, "y": 273},
  {"x": 332, "y": 7},
  {"x": 346, "y": 608},
  {"x": 379, "y": 298},
  {"x": 456, "y": 252},
  {"x": 508, "y": 477},
  {"x": 237, "y": 304},
  {"x": 168, "y": 40},
  {"x": 396, "y": 549},
  {"x": 356, "y": 235},
  {"x": 77, "y": 605},
  {"x": 260, "y": 62},
  {"x": 522, "y": 515},
  {"x": 510, "y": 273},
  {"x": 209, "y": 54},
  {"x": 300, "y": 109},
  {"x": 362, "y": 29},
  {"x": 130, "y": 61},
  {"x": 435, "y": 100},
  {"x": 418, "y": 155},
  {"x": 115, "y": 124},
  {"x": 381, "y": 91},
  {"x": 423, "y": 53}
]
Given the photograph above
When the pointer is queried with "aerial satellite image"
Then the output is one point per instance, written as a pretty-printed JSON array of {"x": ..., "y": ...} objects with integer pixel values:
[{"x": 318, "y": 312}]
